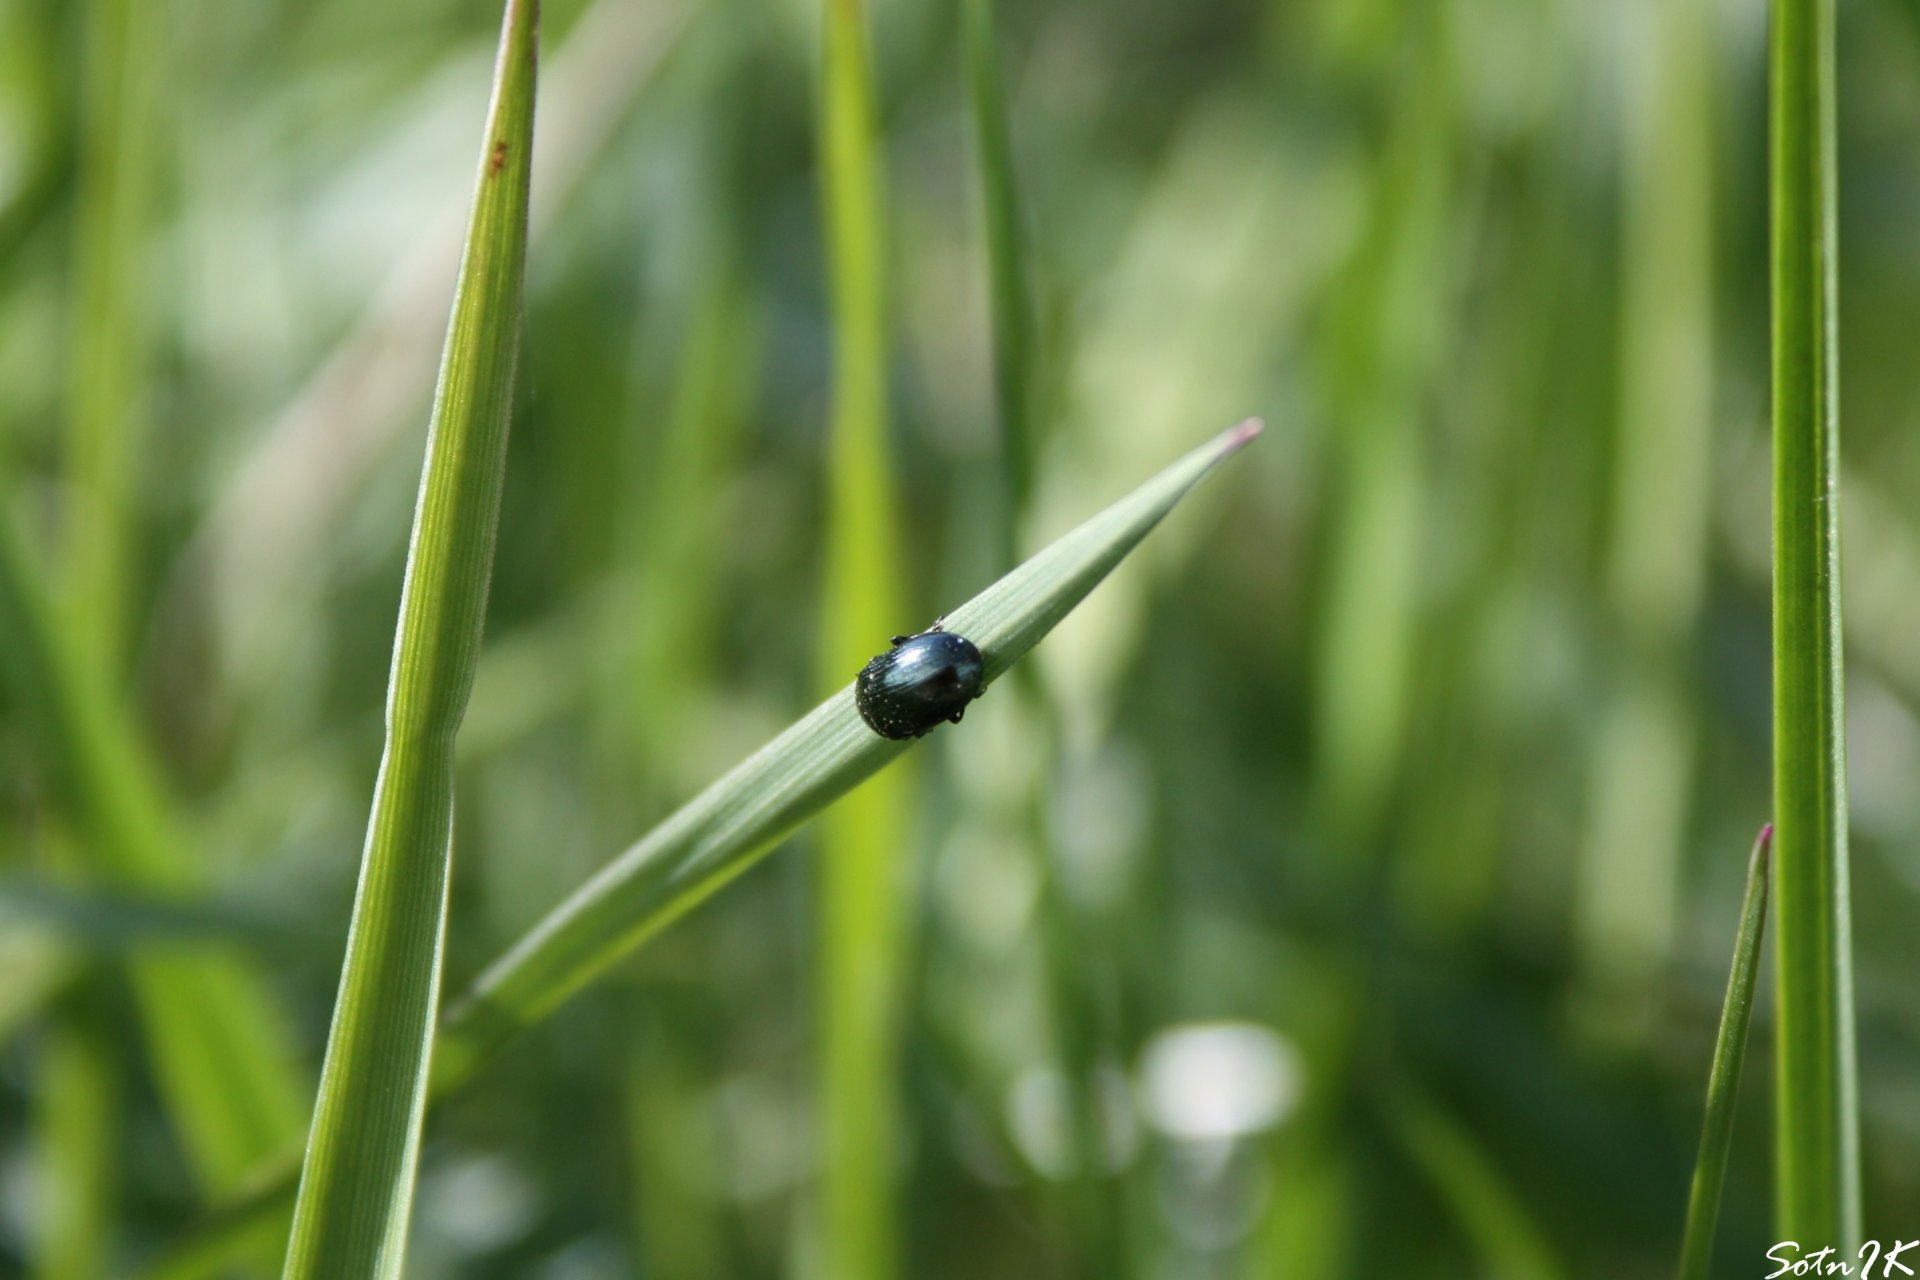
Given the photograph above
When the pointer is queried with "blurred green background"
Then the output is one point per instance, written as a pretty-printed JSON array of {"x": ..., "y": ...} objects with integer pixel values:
[{"x": 1353, "y": 891}]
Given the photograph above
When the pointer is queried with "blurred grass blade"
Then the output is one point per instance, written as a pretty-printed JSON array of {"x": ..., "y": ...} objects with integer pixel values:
[
  {"x": 1641, "y": 774},
  {"x": 1816, "y": 1104},
  {"x": 1071, "y": 969},
  {"x": 728, "y": 827},
  {"x": 662, "y": 647},
  {"x": 81, "y": 1127},
  {"x": 661, "y": 633},
  {"x": 216, "y": 1244},
  {"x": 36, "y": 965},
  {"x": 124, "y": 48},
  {"x": 1484, "y": 1202},
  {"x": 1723, "y": 1079},
  {"x": 221, "y": 1060},
  {"x": 860, "y": 888},
  {"x": 1387, "y": 337},
  {"x": 1010, "y": 292},
  {"x": 124, "y": 39},
  {"x": 733, "y": 823},
  {"x": 356, "y": 1187},
  {"x": 283, "y": 500}
]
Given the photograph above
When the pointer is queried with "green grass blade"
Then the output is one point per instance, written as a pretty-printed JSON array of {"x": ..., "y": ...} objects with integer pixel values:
[
  {"x": 1484, "y": 1202},
  {"x": 123, "y": 41},
  {"x": 1070, "y": 969},
  {"x": 356, "y": 1187},
  {"x": 1387, "y": 336},
  {"x": 36, "y": 965},
  {"x": 1645, "y": 746},
  {"x": 1723, "y": 1078},
  {"x": 81, "y": 1123},
  {"x": 1010, "y": 292},
  {"x": 222, "y": 1064},
  {"x": 728, "y": 827},
  {"x": 663, "y": 631},
  {"x": 1816, "y": 1111},
  {"x": 861, "y": 888}
]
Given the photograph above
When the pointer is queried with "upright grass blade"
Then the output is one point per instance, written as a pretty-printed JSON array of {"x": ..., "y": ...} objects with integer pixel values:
[
  {"x": 222, "y": 1063},
  {"x": 664, "y": 647},
  {"x": 1010, "y": 291},
  {"x": 1642, "y": 769},
  {"x": 1723, "y": 1078},
  {"x": 80, "y": 1123},
  {"x": 861, "y": 888},
  {"x": 739, "y": 819},
  {"x": 80, "y": 1109},
  {"x": 115, "y": 166},
  {"x": 1816, "y": 1106},
  {"x": 356, "y": 1189},
  {"x": 1385, "y": 339},
  {"x": 1068, "y": 968},
  {"x": 664, "y": 629}
]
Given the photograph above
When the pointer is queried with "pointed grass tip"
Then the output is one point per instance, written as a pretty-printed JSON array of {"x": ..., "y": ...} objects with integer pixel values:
[{"x": 1239, "y": 437}]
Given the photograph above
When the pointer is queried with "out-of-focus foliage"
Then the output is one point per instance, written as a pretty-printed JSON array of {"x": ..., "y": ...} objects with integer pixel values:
[{"x": 1397, "y": 796}]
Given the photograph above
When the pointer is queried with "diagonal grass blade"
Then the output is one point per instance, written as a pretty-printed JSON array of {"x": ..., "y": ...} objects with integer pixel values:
[{"x": 728, "y": 827}]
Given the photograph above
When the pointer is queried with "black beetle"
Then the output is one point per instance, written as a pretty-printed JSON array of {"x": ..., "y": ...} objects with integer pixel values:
[{"x": 922, "y": 680}]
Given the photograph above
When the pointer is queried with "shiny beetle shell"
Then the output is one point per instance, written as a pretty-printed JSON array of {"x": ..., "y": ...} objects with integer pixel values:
[{"x": 922, "y": 680}]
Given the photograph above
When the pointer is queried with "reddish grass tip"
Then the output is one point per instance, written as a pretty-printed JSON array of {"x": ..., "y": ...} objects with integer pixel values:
[{"x": 1237, "y": 437}]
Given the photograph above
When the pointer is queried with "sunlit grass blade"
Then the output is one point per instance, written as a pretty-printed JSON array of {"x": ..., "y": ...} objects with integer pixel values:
[
  {"x": 1386, "y": 338},
  {"x": 861, "y": 889},
  {"x": 1723, "y": 1078},
  {"x": 356, "y": 1188},
  {"x": 1816, "y": 1103},
  {"x": 220, "y": 1058},
  {"x": 123, "y": 40},
  {"x": 739, "y": 819},
  {"x": 1642, "y": 769}
]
